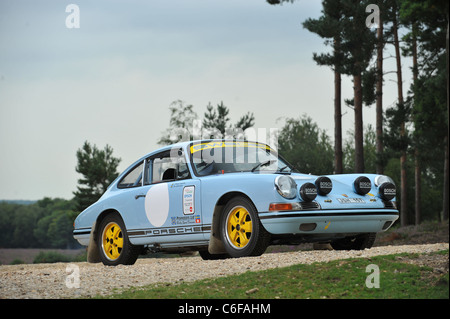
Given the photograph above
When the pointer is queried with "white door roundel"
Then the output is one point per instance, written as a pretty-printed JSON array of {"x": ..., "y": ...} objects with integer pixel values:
[{"x": 157, "y": 204}]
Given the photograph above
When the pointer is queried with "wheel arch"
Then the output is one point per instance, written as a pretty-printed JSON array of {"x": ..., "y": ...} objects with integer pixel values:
[
  {"x": 215, "y": 243},
  {"x": 93, "y": 255}
]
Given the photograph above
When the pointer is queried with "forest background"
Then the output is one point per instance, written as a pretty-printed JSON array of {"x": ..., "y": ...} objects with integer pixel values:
[{"x": 409, "y": 143}]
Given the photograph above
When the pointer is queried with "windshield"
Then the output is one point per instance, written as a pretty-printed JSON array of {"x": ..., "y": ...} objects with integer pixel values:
[{"x": 230, "y": 157}]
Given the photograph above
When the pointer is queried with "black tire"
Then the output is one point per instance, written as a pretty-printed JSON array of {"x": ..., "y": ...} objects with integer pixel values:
[
  {"x": 250, "y": 237},
  {"x": 358, "y": 242},
  {"x": 115, "y": 249}
]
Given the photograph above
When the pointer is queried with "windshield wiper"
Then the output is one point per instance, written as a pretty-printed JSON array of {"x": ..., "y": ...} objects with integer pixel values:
[{"x": 268, "y": 162}]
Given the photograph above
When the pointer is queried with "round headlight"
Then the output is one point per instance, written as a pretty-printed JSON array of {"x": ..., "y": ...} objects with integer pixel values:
[
  {"x": 308, "y": 192},
  {"x": 387, "y": 191},
  {"x": 286, "y": 186},
  {"x": 380, "y": 179},
  {"x": 324, "y": 185},
  {"x": 362, "y": 185}
]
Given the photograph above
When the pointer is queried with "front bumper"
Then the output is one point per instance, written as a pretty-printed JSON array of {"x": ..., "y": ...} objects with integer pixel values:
[{"x": 329, "y": 221}]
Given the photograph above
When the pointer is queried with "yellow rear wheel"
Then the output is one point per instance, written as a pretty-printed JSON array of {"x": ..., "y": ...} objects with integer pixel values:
[{"x": 112, "y": 241}]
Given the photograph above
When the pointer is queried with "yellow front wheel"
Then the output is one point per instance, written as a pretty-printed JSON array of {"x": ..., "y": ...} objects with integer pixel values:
[
  {"x": 242, "y": 233},
  {"x": 239, "y": 227}
]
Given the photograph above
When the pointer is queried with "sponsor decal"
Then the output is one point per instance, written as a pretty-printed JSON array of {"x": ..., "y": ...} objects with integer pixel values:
[
  {"x": 326, "y": 184},
  {"x": 188, "y": 200},
  {"x": 175, "y": 185},
  {"x": 365, "y": 185},
  {"x": 174, "y": 230},
  {"x": 185, "y": 220}
]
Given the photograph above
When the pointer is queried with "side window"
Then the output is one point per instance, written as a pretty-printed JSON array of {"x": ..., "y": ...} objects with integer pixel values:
[
  {"x": 166, "y": 168},
  {"x": 133, "y": 178}
]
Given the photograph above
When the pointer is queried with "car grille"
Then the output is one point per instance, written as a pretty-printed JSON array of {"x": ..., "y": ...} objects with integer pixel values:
[{"x": 310, "y": 205}]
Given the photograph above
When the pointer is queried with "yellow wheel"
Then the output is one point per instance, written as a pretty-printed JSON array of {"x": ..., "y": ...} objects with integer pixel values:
[
  {"x": 113, "y": 244},
  {"x": 239, "y": 227},
  {"x": 241, "y": 231},
  {"x": 112, "y": 241}
]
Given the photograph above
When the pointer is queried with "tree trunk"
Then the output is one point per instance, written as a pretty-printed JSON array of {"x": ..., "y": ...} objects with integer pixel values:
[
  {"x": 403, "y": 188},
  {"x": 446, "y": 172},
  {"x": 379, "y": 100},
  {"x": 359, "y": 144},
  {"x": 418, "y": 190},
  {"x": 338, "y": 165},
  {"x": 417, "y": 167},
  {"x": 446, "y": 186}
]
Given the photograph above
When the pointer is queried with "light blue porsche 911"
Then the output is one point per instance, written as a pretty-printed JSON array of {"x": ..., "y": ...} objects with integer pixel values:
[{"x": 230, "y": 199}]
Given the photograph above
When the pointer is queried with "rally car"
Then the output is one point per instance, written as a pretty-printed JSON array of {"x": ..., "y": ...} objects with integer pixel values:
[{"x": 230, "y": 199}]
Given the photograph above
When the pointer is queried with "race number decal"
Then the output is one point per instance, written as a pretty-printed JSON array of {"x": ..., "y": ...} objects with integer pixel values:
[
  {"x": 188, "y": 200},
  {"x": 157, "y": 204}
]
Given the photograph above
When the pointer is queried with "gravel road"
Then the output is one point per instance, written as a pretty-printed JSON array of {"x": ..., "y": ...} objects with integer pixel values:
[{"x": 54, "y": 281}]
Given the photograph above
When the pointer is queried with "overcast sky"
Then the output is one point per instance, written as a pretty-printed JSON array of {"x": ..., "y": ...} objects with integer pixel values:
[{"x": 112, "y": 80}]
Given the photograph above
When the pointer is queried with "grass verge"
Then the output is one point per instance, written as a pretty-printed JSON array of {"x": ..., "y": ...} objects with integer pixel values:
[{"x": 341, "y": 279}]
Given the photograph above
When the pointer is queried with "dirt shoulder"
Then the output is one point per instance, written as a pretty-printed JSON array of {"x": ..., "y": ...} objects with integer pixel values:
[{"x": 425, "y": 233}]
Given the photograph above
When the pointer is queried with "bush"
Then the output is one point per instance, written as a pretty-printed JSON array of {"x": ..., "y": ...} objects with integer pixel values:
[
  {"x": 17, "y": 261},
  {"x": 50, "y": 257}
]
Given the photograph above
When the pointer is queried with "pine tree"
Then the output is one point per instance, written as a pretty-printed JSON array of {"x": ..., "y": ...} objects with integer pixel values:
[
  {"x": 358, "y": 43},
  {"x": 216, "y": 122},
  {"x": 99, "y": 169},
  {"x": 427, "y": 43}
]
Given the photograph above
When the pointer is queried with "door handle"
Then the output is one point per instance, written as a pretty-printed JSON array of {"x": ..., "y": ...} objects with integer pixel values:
[{"x": 138, "y": 196}]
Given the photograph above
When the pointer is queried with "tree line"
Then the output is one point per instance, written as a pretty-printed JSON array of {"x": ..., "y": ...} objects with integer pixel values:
[{"x": 46, "y": 223}]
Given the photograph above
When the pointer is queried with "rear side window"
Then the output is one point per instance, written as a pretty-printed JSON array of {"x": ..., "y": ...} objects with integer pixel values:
[
  {"x": 167, "y": 168},
  {"x": 133, "y": 178}
]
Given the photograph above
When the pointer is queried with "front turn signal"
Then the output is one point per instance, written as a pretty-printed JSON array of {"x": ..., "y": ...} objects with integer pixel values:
[{"x": 280, "y": 206}]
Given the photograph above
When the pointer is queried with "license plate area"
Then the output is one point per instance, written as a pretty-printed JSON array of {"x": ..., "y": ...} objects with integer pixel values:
[{"x": 351, "y": 200}]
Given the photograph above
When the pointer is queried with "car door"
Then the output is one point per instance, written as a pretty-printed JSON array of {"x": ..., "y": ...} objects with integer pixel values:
[{"x": 168, "y": 202}]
